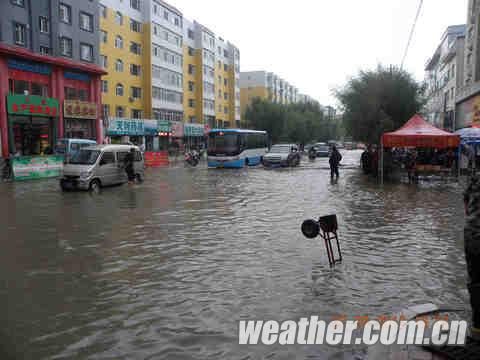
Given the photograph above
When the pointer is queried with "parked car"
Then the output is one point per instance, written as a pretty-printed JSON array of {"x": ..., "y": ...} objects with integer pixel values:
[
  {"x": 69, "y": 147},
  {"x": 102, "y": 165},
  {"x": 282, "y": 155},
  {"x": 323, "y": 150}
]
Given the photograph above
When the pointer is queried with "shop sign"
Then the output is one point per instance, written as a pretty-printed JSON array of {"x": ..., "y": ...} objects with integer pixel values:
[
  {"x": 133, "y": 127},
  {"x": 29, "y": 66},
  {"x": 194, "y": 130},
  {"x": 36, "y": 167},
  {"x": 80, "y": 109},
  {"x": 164, "y": 126},
  {"x": 32, "y": 105},
  {"x": 76, "y": 76}
]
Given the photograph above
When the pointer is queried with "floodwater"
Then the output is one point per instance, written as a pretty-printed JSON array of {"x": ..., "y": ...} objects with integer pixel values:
[{"x": 166, "y": 269}]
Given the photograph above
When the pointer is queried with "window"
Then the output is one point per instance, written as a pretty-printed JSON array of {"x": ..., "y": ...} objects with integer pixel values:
[
  {"x": 135, "y": 4},
  {"x": 70, "y": 93},
  {"x": 135, "y": 48},
  {"x": 191, "y": 69},
  {"x": 191, "y": 34},
  {"x": 103, "y": 11},
  {"x": 45, "y": 50},
  {"x": 119, "y": 18},
  {"x": 155, "y": 9},
  {"x": 104, "y": 86},
  {"x": 135, "y": 69},
  {"x": 86, "y": 22},
  {"x": 165, "y": 14},
  {"x": 103, "y": 36},
  {"x": 19, "y": 2},
  {"x": 219, "y": 79},
  {"x": 191, "y": 86},
  {"x": 65, "y": 14},
  {"x": 225, "y": 53},
  {"x": 120, "y": 112},
  {"x": 225, "y": 67},
  {"x": 136, "y": 114},
  {"x": 225, "y": 96},
  {"x": 106, "y": 111},
  {"x": 135, "y": 26},
  {"x": 39, "y": 89},
  {"x": 225, "y": 82},
  {"x": 66, "y": 47},
  {"x": 44, "y": 25},
  {"x": 107, "y": 158},
  {"x": 191, "y": 103},
  {"x": 119, "y": 65},
  {"x": 103, "y": 61},
  {"x": 119, "y": 90},
  {"x": 86, "y": 52},
  {"x": 219, "y": 64},
  {"x": 118, "y": 42},
  {"x": 20, "y": 34},
  {"x": 166, "y": 95},
  {"x": 191, "y": 51},
  {"x": 167, "y": 56},
  {"x": 167, "y": 77},
  {"x": 219, "y": 93},
  {"x": 136, "y": 92}
]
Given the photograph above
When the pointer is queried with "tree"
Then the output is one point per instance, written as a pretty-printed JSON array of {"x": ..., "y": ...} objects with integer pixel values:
[
  {"x": 298, "y": 123},
  {"x": 378, "y": 101}
]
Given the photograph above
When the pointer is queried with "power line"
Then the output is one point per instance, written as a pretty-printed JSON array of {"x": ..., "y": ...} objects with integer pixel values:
[{"x": 411, "y": 33}]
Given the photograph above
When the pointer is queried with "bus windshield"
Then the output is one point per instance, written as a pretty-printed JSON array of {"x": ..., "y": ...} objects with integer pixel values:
[
  {"x": 223, "y": 143},
  {"x": 85, "y": 157}
]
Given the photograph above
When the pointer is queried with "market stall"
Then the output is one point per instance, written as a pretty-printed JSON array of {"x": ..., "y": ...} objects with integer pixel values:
[{"x": 417, "y": 133}]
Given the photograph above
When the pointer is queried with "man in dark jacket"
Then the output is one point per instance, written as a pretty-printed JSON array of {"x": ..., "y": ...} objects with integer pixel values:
[
  {"x": 335, "y": 158},
  {"x": 128, "y": 162}
]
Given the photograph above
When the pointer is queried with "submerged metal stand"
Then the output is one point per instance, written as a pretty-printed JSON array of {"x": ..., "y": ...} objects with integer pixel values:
[{"x": 328, "y": 226}]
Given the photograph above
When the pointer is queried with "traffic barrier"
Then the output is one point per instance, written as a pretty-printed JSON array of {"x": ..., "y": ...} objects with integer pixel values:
[{"x": 156, "y": 158}]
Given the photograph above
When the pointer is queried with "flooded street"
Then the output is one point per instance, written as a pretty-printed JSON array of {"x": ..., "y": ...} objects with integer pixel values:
[{"x": 164, "y": 270}]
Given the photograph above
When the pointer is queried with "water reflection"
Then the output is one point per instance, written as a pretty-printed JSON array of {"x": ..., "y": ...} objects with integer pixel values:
[{"x": 167, "y": 268}]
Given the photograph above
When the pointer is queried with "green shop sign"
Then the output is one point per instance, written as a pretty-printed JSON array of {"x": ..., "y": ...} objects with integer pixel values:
[
  {"x": 32, "y": 105},
  {"x": 194, "y": 130},
  {"x": 164, "y": 126},
  {"x": 37, "y": 167}
]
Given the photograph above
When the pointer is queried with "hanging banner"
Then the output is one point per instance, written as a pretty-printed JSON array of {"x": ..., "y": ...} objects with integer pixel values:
[{"x": 36, "y": 167}]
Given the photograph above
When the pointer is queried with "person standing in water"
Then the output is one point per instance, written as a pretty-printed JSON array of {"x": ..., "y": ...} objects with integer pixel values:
[
  {"x": 335, "y": 158},
  {"x": 128, "y": 162}
]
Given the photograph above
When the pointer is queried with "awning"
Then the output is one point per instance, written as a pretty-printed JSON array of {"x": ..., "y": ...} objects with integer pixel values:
[{"x": 419, "y": 133}]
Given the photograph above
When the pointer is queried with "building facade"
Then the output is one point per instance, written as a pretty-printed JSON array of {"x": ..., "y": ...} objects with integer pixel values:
[
  {"x": 49, "y": 77},
  {"x": 268, "y": 86},
  {"x": 468, "y": 94},
  {"x": 165, "y": 67},
  {"x": 443, "y": 76}
]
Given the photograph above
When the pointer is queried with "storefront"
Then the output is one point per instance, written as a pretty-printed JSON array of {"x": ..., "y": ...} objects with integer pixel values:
[
  {"x": 164, "y": 129},
  {"x": 46, "y": 98},
  {"x": 141, "y": 132},
  {"x": 468, "y": 113}
]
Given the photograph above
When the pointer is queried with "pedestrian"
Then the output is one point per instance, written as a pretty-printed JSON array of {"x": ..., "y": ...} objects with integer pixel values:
[
  {"x": 335, "y": 158},
  {"x": 472, "y": 249},
  {"x": 128, "y": 163},
  {"x": 365, "y": 160}
]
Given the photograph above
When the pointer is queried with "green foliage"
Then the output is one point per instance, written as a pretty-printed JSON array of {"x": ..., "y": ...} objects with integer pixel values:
[
  {"x": 298, "y": 123},
  {"x": 377, "y": 101}
]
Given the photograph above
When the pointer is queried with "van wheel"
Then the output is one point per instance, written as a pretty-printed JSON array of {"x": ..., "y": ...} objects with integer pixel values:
[
  {"x": 95, "y": 185},
  {"x": 62, "y": 185}
]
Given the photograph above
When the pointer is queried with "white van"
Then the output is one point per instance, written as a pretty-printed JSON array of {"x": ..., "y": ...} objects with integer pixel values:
[{"x": 101, "y": 165}]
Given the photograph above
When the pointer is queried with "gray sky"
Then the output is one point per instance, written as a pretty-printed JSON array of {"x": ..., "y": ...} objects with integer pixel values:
[{"x": 317, "y": 44}]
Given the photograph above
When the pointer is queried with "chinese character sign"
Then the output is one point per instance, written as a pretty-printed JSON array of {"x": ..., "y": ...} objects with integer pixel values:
[{"x": 32, "y": 105}]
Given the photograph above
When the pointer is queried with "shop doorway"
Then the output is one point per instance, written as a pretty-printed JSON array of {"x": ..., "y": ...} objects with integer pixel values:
[{"x": 31, "y": 136}]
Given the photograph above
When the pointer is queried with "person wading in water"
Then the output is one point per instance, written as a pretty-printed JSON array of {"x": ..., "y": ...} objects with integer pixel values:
[
  {"x": 472, "y": 249},
  {"x": 335, "y": 158},
  {"x": 128, "y": 162}
]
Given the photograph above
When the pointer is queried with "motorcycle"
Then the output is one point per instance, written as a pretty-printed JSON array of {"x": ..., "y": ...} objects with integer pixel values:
[{"x": 192, "y": 158}]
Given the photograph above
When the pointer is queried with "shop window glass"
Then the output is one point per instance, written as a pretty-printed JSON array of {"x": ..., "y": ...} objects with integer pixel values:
[
  {"x": 39, "y": 89},
  {"x": 31, "y": 136},
  {"x": 20, "y": 86}
]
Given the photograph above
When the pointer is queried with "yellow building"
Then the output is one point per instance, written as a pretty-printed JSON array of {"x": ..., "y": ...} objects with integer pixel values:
[{"x": 122, "y": 50}]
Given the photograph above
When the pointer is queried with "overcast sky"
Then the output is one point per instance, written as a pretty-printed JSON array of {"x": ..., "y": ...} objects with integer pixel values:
[{"x": 317, "y": 44}]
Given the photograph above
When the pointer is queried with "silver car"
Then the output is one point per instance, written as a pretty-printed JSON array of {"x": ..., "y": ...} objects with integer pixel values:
[{"x": 101, "y": 165}]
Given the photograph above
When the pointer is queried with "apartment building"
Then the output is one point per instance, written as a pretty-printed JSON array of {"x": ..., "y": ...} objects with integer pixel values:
[
  {"x": 266, "y": 85},
  {"x": 443, "y": 76},
  {"x": 49, "y": 77},
  {"x": 468, "y": 94},
  {"x": 166, "y": 68}
]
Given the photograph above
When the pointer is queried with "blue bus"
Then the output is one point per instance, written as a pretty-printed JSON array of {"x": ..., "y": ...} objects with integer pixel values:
[{"x": 236, "y": 148}]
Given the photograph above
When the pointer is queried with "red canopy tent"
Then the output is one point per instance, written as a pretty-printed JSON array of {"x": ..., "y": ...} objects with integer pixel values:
[{"x": 419, "y": 133}]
